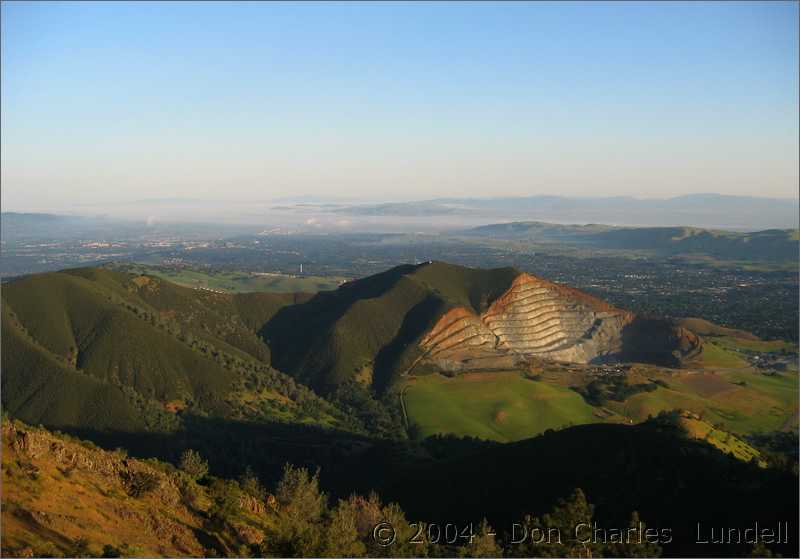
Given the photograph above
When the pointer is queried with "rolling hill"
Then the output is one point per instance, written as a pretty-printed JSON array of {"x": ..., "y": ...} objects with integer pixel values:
[
  {"x": 171, "y": 348},
  {"x": 95, "y": 348},
  {"x": 161, "y": 352},
  {"x": 768, "y": 245},
  {"x": 441, "y": 317},
  {"x": 704, "y": 210}
]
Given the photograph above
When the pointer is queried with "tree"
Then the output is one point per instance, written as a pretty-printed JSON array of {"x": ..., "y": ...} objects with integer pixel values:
[
  {"x": 341, "y": 537},
  {"x": 640, "y": 546},
  {"x": 298, "y": 529},
  {"x": 484, "y": 543},
  {"x": 251, "y": 485},
  {"x": 557, "y": 534},
  {"x": 193, "y": 464}
]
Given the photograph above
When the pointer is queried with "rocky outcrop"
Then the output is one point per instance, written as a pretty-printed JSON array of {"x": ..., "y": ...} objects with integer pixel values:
[
  {"x": 535, "y": 318},
  {"x": 68, "y": 488}
]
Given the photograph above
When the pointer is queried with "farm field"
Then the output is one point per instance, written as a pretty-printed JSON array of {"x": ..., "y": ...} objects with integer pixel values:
[
  {"x": 743, "y": 401},
  {"x": 714, "y": 355},
  {"x": 241, "y": 282},
  {"x": 501, "y": 406},
  {"x": 505, "y": 406},
  {"x": 742, "y": 344}
]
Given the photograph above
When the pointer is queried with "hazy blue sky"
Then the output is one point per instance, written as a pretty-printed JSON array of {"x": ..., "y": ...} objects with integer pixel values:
[{"x": 113, "y": 102}]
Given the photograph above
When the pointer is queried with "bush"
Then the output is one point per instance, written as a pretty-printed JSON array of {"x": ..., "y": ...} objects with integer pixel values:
[
  {"x": 251, "y": 485},
  {"x": 79, "y": 548},
  {"x": 110, "y": 551},
  {"x": 193, "y": 464},
  {"x": 188, "y": 493},
  {"x": 225, "y": 495},
  {"x": 141, "y": 483}
]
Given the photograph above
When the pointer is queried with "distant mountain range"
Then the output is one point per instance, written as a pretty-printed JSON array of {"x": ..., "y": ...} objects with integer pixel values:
[
  {"x": 702, "y": 210},
  {"x": 771, "y": 244}
]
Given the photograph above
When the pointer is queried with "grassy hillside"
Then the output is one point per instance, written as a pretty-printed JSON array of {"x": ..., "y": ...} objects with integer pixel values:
[
  {"x": 697, "y": 428},
  {"x": 743, "y": 402},
  {"x": 374, "y": 322},
  {"x": 147, "y": 347},
  {"x": 35, "y": 384},
  {"x": 507, "y": 406},
  {"x": 62, "y": 496},
  {"x": 66, "y": 498},
  {"x": 494, "y": 406}
]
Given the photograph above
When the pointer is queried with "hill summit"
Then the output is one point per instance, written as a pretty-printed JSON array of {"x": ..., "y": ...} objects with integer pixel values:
[{"x": 450, "y": 318}]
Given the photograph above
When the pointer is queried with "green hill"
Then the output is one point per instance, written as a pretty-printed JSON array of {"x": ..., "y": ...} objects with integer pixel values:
[
  {"x": 375, "y": 322},
  {"x": 503, "y": 406},
  {"x": 101, "y": 349}
]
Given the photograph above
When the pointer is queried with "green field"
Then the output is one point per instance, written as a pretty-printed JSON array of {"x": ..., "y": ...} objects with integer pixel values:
[
  {"x": 765, "y": 346},
  {"x": 742, "y": 401},
  {"x": 714, "y": 355},
  {"x": 498, "y": 406},
  {"x": 506, "y": 406},
  {"x": 239, "y": 282}
]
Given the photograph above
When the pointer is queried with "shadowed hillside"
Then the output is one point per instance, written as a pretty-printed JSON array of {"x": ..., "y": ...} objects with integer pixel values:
[
  {"x": 327, "y": 340},
  {"x": 136, "y": 351}
]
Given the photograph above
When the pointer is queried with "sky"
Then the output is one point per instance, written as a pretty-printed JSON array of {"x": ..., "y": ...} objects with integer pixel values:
[{"x": 115, "y": 102}]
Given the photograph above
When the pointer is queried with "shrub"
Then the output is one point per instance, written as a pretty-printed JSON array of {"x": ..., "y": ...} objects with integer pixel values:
[
  {"x": 79, "y": 548},
  {"x": 251, "y": 485},
  {"x": 225, "y": 495},
  {"x": 141, "y": 483},
  {"x": 193, "y": 464},
  {"x": 111, "y": 551}
]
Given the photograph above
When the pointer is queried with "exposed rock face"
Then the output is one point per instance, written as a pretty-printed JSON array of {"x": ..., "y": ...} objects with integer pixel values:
[{"x": 534, "y": 318}]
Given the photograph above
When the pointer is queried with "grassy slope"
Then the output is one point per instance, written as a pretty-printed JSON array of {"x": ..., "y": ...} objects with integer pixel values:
[
  {"x": 66, "y": 489},
  {"x": 37, "y": 396},
  {"x": 506, "y": 406},
  {"x": 715, "y": 356},
  {"x": 141, "y": 334},
  {"x": 375, "y": 321},
  {"x": 766, "y": 346},
  {"x": 703, "y": 430},
  {"x": 495, "y": 406},
  {"x": 764, "y": 403}
]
